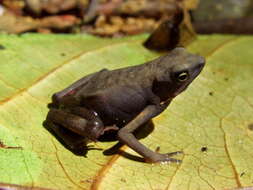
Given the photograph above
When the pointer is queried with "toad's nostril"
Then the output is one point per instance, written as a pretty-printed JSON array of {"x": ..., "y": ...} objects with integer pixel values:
[{"x": 201, "y": 61}]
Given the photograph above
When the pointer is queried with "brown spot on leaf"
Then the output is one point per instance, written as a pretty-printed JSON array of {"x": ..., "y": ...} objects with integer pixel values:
[
  {"x": 204, "y": 149},
  {"x": 250, "y": 126},
  {"x": 157, "y": 149},
  {"x": 123, "y": 180},
  {"x": 2, "y": 47},
  {"x": 86, "y": 181},
  {"x": 2, "y": 145}
]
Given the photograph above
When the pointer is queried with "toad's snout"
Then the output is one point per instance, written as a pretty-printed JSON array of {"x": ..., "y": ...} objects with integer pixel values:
[{"x": 201, "y": 61}]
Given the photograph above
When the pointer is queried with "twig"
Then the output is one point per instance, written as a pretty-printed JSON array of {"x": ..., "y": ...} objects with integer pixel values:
[
  {"x": 225, "y": 26},
  {"x": 2, "y": 145}
]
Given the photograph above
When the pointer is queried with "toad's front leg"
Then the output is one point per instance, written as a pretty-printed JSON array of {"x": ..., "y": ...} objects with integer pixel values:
[{"x": 126, "y": 136}]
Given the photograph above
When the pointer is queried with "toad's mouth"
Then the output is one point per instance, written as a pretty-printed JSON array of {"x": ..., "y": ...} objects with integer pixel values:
[{"x": 181, "y": 89}]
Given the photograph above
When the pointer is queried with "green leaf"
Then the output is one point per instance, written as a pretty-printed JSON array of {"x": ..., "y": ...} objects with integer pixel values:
[{"x": 211, "y": 121}]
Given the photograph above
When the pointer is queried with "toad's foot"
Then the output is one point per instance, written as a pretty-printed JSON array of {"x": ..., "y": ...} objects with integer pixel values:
[{"x": 165, "y": 158}]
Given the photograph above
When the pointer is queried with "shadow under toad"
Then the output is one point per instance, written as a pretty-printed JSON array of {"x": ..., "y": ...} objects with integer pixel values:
[{"x": 78, "y": 145}]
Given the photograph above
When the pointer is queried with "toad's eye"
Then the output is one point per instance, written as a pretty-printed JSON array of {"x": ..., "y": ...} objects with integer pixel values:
[{"x": 181, "y": 77}]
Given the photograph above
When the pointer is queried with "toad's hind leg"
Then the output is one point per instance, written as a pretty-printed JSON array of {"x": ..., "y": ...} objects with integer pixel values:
[
  {"x": 72, "y": 140},
  {"x": 90, "y": 129}
]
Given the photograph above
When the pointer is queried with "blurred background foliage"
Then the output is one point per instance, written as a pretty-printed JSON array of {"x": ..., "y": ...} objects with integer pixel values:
[{"x": 115, "y": 18}]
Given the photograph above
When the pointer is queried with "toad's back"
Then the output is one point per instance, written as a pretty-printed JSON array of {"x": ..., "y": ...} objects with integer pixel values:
[
  {"x": 139, "y": 75},
  {"x": 119, "y": 95}
]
